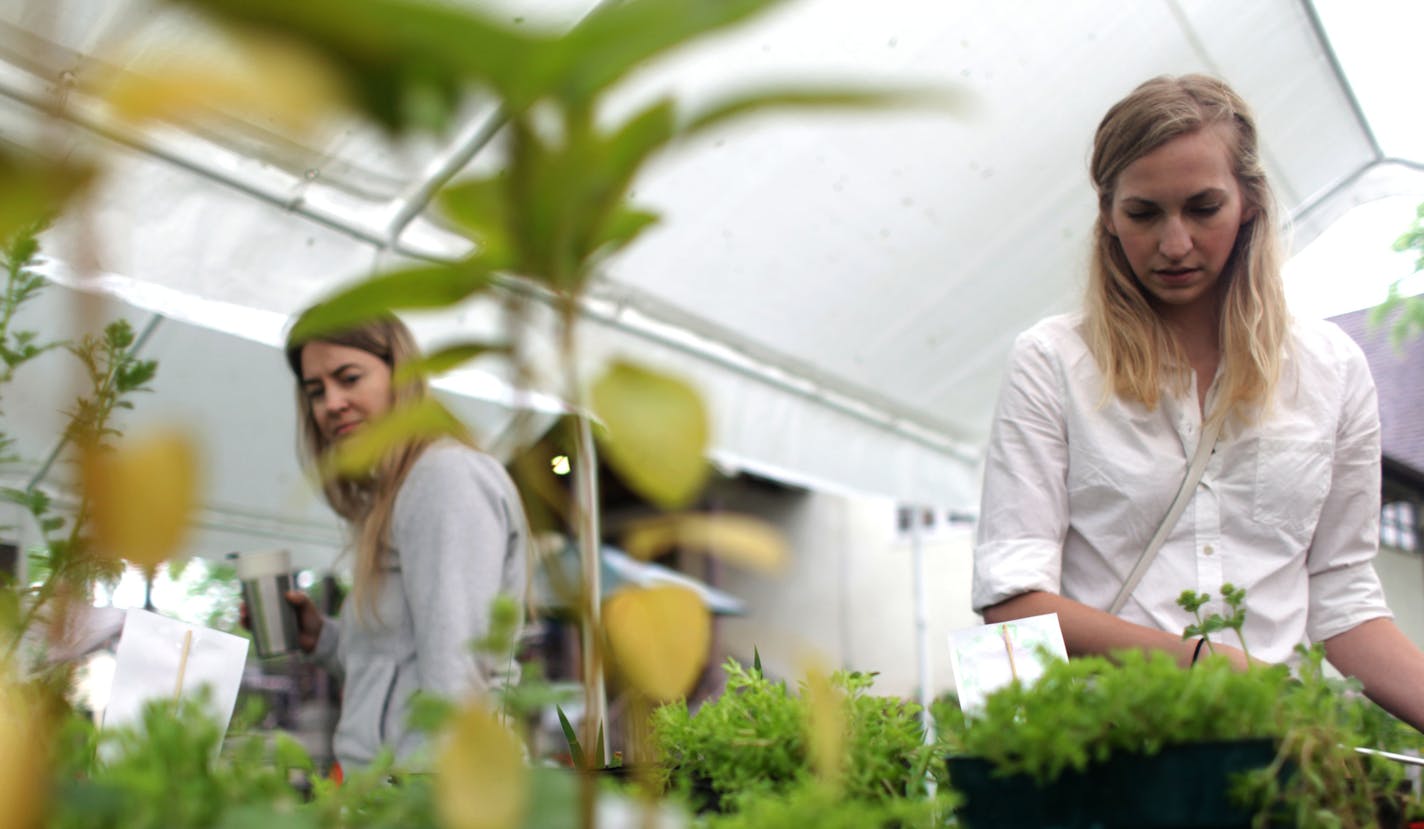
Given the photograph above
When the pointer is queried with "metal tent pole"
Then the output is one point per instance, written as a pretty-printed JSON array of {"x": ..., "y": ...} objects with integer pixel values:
[{"x": 922, "y": 631}]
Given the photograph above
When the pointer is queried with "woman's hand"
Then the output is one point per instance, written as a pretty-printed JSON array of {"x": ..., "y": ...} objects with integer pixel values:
[{"x": 308, "y": 620}]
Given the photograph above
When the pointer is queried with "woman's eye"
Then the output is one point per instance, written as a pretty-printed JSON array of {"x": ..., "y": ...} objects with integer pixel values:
[
  {"x": 350, "y": 378},
  {"x": 1139, "y": 215},
  {"x": 1207, "y": 209}
]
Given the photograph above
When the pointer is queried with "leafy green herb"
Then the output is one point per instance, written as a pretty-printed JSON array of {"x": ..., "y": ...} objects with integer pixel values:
[
  {"x": 1407, "y": 311},
  {"x": 64, "y": 562},
  {"x": 814, "y": 804},
  {"x": 1081, "y": 711},
  {"x": 1235, "y": 598},
  {"x": 751, "y": 742}
]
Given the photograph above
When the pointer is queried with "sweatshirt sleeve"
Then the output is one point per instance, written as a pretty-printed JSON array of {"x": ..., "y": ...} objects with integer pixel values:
[{"x": 327, "y": 643}]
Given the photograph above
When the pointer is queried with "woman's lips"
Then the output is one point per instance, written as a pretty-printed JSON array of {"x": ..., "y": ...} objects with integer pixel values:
[
  {"x": 1176, "y": 274},
  {"x": 345, "y": 428}
]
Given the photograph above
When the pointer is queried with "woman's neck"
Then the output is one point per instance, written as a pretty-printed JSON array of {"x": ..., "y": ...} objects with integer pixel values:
[{"x": 1197, "y": 329}]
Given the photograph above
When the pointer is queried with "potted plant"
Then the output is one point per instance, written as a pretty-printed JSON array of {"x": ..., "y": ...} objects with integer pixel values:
[{"x": 1139, "y": 741}]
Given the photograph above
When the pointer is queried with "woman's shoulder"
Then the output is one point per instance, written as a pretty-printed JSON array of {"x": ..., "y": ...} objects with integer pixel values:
[
  {"x": 1059, "y": 335},
  {"x": 450, "y": 463},
  {"x": 1056, "y": 327}
]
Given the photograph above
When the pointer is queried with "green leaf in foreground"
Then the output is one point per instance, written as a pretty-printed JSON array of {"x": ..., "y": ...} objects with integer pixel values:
[
  {"x": 757, "y": 101},
  {"x": 571, "y": 736},
  {"x": 479, "y": 208},
  {"x": 625, "y": 225},
  {"x": 425, "y": 287},
  {"x": 446, "y": 359},
  {"x": 618, "y": 37},
  {"x": 358, "y": 454}
]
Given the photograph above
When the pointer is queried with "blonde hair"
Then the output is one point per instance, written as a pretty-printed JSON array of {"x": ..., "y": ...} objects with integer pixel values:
[
  {"x": 366, "y": 503},
  {"x": 1129, "y": 340}
]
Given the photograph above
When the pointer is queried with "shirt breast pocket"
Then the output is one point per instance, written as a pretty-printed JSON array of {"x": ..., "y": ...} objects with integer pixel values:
[{"x": 1291, "y": 480}]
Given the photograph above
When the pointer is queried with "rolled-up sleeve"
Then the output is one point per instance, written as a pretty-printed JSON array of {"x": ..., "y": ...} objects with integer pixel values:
[
  {"x": 1023, "y": 515},
  {"x": 1344, "y": 589}
]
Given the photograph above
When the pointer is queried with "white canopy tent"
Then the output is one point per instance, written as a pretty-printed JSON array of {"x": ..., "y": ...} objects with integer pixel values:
[{"x": 842, "y": 288}]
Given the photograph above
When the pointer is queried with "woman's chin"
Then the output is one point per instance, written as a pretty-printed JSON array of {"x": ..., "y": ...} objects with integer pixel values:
[{"x": 343, "y": 434}]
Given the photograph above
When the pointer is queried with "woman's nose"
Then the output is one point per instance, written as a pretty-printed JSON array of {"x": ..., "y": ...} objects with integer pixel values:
[
  {"x": 1176, "y": 241},
  {"x": 334, "y": 402}
]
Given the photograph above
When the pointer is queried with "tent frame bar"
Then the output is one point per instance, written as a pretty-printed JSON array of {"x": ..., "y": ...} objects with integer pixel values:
[
  {"x": 1316, "y": 202},
  {"x": 477, "y": 135}
]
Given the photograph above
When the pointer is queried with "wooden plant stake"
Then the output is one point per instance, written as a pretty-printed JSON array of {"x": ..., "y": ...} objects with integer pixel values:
[{"x": 183, "y": 664}]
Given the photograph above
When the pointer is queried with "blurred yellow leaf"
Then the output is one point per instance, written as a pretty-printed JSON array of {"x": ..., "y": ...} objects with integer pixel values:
[
  {"x": 481, "y": 782},
  {"x": 142, "y": 494},
  {"x": 658, "y": 638},
  {"x": 358, "y": 454},
  {"x": 826, "y": 706},
  {"x": 657, "y": 432},
  {"x": 739, "y": 539},
  {"x": 255, "y": 77},
  {"x": 24, "y": 767}
]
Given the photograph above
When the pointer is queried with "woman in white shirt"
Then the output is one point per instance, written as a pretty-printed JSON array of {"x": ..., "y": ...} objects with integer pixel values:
[{"x": 1185, "y": 323}]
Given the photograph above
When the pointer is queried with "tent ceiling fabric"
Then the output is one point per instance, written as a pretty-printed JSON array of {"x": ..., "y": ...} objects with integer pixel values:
[{"x": 843, "y": 288}]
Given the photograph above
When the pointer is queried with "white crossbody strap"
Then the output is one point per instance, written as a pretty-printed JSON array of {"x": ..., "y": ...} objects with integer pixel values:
[{"x": 1184, "y": 494}]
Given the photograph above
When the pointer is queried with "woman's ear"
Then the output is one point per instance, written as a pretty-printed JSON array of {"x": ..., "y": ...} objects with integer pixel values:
[
  {"x": 1106, "y": 218},
  {"x": 1249, "y": 213}
]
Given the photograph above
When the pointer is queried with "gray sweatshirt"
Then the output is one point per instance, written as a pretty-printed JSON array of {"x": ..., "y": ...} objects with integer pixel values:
[{"x": 458, "y": 536}]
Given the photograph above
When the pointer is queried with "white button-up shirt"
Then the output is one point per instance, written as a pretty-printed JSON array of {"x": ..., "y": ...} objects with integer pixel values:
[{"x": 1075, "y": 485}]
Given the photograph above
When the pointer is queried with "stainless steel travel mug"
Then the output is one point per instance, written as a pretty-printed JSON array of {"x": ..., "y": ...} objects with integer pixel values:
[{"x": 266, "y": 577}]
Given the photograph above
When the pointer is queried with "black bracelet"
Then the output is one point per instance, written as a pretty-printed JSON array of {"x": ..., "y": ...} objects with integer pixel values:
[{"x": 1196, "y": 654}]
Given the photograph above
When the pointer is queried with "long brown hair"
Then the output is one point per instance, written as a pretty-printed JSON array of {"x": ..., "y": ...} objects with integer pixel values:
[
  {"x": 1129, "y": 340},
  {"x": 366, "y": 503}
]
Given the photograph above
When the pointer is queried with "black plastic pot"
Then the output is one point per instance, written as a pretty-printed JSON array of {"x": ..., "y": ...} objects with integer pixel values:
[{"x": 1182, "y": 787}]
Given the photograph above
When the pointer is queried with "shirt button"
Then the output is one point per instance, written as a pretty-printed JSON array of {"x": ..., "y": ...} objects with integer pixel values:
[{"x": 1208, "y": 549}]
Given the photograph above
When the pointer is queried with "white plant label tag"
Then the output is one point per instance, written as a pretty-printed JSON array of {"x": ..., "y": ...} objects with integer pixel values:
[
  {"x": 159, "y": 657},
  {"x": 988, "y": 657}
]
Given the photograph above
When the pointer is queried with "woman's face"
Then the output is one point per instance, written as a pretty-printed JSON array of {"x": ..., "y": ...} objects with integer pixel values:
[
  {"x": 1176, "y": 212},
  {"x": 344, "y": 386}
]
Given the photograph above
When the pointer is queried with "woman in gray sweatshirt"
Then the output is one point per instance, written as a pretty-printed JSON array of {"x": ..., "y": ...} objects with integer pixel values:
[{"x": 437, "y": 532}]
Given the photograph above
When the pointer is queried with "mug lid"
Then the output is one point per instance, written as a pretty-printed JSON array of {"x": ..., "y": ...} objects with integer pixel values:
[{"x": 263, "y": 563}]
